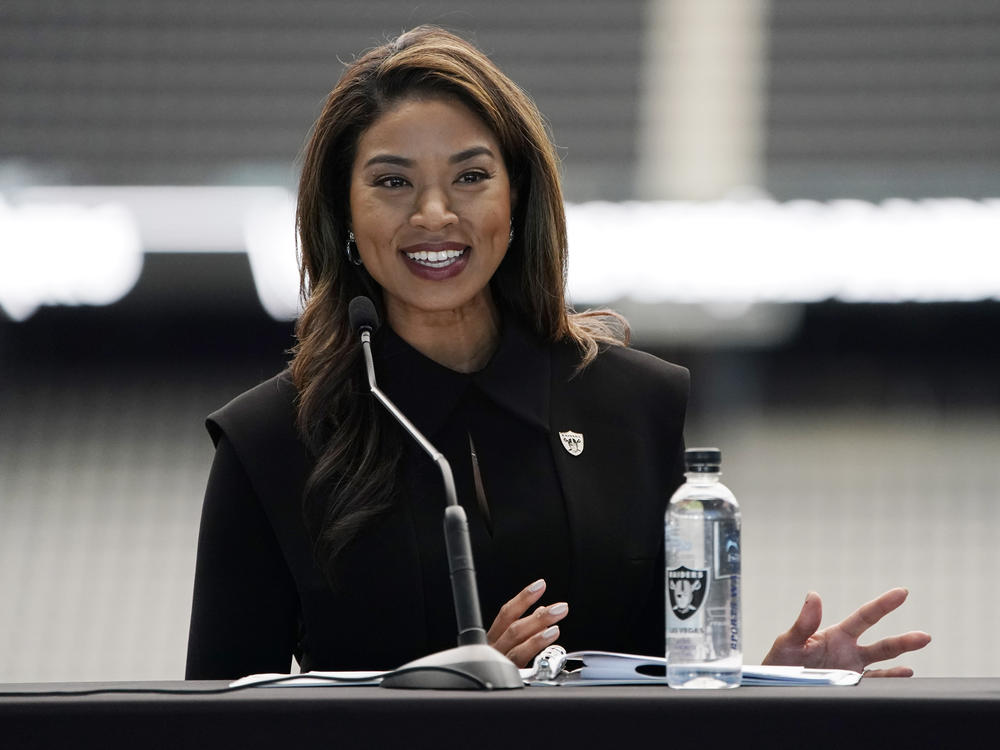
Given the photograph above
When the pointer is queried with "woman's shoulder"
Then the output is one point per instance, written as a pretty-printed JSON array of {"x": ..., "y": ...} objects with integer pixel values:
[
  {"x": 624, "y": 366},
  {"x": 621, "y": 381},
  {"x": 623, "y": 392},
  {"x": 638, "y": 362},
  {"x": 262, "y": 414}
]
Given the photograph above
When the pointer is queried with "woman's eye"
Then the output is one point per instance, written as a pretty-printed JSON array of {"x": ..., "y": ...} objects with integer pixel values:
[
  {"x": 471, "y": 178},
  {"x": 391, "y": 181}
]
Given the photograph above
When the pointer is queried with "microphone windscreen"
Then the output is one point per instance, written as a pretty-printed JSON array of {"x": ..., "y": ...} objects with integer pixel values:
[{"x": 361, "y": 313}]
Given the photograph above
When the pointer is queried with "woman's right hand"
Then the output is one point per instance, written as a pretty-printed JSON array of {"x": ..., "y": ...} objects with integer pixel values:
[{"x": 519, "y": 637}]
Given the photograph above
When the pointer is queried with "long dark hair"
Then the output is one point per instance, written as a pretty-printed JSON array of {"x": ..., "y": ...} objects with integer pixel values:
[{"x": 354, "y": 444}]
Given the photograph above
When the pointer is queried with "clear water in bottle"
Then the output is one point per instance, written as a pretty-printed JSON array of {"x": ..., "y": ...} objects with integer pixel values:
[{"x": 703, "y": 622}]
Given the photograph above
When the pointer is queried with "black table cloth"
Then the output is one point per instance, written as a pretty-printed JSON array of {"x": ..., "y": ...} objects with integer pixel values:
[{"x": 928, "y": 712}]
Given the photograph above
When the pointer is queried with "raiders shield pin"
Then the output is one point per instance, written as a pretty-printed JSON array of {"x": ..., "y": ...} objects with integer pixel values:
[{"x": 572, "y": 442}]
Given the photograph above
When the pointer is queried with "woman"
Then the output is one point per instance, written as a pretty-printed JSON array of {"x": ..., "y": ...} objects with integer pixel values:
[{"x": 430, "y": 185}]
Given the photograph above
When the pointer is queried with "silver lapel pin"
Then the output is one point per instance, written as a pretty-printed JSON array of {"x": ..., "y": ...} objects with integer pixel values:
[{"x": 572, "y": 442}]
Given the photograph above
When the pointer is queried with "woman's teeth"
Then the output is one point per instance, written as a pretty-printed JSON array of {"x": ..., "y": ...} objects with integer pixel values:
[{"x": 436, "y": 258}]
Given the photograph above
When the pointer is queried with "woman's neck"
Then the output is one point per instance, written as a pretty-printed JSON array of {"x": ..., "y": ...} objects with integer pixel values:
[{"x": 462, "y": 340}]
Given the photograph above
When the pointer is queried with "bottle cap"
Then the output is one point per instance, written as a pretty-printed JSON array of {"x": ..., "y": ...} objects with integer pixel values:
[{"x": 703, "y": 459}]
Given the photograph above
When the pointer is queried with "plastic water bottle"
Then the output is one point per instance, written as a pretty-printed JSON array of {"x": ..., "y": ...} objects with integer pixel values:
[{"x": 702, "y": 537}]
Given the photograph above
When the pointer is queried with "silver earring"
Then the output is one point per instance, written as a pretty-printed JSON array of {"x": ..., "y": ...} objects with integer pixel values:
[
  {"x": 353, "y": 255},
  {"x": 510, "y": 237}
]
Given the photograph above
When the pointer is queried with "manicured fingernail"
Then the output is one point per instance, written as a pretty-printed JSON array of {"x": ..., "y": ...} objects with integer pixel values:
[
  {"x": 558, "y": 609},
  {"x": 550, "y": 632},
  {"x": 537, "y": 585}
]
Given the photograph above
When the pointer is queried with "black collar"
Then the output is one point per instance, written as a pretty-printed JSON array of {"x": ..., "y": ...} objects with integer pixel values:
[{"x": 516, "y": 378}]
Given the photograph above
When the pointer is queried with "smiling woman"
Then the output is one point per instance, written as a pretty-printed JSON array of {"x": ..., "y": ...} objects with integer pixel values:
[
  {"x": 430, "y": 185},
  {"x": 431, "y": 215}
]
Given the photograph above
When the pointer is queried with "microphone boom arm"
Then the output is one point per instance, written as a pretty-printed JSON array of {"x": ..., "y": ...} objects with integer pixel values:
[
  {"x": 451, "y": 496},
  {"x": 456, "y": 526},
  {"x": 473, "y": 663}
]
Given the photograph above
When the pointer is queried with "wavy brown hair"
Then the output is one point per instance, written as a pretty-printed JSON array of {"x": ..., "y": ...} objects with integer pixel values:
[{"x": 355, "y": 445}]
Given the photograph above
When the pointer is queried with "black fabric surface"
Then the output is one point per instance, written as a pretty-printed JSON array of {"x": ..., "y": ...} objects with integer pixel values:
[
  {"x": 950, "y": 712},
  {"x": 517, "y": 523}
]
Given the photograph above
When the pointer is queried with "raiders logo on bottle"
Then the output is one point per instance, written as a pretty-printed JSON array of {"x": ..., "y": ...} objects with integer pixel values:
[{"x": 687, "y": 590}]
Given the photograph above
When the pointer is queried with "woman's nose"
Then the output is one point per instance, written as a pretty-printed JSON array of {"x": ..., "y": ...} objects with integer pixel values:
[{"x": 433, "y": 210}]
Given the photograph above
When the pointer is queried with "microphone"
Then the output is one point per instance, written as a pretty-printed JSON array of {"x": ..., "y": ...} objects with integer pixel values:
[
  {"x": 473, "y": 664},
  {"x": 362, "y": 315}
]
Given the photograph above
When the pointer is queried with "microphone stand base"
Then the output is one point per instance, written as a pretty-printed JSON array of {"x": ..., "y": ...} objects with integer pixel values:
[{"x": 473, "y": 667}]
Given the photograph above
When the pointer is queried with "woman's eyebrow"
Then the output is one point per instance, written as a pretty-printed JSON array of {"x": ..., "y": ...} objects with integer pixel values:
[
  {"x": 402, "y": 161},
  {"x": 469, "y": 153},
  {"x": 398, "y": 161}
]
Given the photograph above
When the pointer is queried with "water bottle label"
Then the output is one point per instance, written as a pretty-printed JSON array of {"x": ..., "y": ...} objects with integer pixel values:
[
  {"x": 688, "y": 589},
  {"x": 727, "y": 550}
]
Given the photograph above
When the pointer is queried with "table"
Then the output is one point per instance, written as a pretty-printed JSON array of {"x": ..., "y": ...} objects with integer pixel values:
[{"x": 928, "y": 712}]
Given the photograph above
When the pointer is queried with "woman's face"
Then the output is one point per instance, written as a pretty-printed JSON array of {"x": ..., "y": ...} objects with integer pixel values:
[{"x": 431, "y": 207}]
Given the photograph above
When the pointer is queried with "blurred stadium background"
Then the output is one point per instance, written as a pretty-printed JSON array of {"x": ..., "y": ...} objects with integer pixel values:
[{"x": 796, "y": 199}]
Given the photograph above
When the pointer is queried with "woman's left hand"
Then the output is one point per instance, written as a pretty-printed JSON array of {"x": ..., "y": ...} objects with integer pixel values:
[
  {"x": 520, "y": 637},
  {"x": 837, "y": 647}
]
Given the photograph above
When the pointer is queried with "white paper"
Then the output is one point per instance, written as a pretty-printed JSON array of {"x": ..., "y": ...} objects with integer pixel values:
[
  {"x": 609, "y": 668},
  {"x": 310, "y": 679}
]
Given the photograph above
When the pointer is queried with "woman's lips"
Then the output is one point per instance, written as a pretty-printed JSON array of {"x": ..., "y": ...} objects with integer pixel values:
[{"x": 436, "y": 260}]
